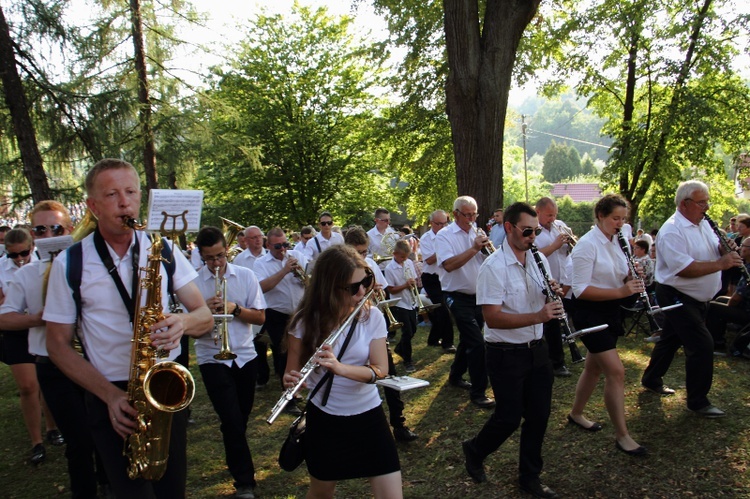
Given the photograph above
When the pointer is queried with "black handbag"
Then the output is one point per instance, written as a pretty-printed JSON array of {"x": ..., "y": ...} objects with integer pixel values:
[{"x": 292, "y": 451}]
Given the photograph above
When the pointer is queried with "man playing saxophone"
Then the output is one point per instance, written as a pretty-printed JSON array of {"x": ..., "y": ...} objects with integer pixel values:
[
  {"x": 107, "y": 313},
  {"x": 230, "y": 384}
]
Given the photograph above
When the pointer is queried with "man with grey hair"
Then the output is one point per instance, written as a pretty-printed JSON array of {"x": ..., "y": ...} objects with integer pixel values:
[
  {"x": 441, "y": 331},
  {"x": 254, "y": 248},
  {"x": 459, "y": 255},
  {"x": 688, "y": 270}
]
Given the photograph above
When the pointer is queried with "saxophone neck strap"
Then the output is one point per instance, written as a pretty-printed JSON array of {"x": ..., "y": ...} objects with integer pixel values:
[{"x": 127, "y": 299}]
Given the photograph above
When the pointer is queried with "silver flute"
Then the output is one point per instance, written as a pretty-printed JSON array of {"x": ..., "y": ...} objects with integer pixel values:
[{"x": 312, "y": 362}]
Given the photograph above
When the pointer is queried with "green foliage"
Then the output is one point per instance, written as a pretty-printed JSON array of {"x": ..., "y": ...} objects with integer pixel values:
[
  {"x": 560, "y": 162},
  {"x": 515, "y": 178},
  {"x": 290, "y": 123},
  {"x": 578, "y": 216}
]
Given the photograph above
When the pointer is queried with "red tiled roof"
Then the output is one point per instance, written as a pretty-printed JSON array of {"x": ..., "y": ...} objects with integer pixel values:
[{"x": 577, "y": 192}]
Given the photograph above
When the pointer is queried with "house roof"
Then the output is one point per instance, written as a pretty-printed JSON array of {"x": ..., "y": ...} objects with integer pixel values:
[{"x": 577, "y": 192}]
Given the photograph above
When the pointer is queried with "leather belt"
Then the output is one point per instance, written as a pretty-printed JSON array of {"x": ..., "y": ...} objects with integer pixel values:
[{"x": 499, "y": 345}]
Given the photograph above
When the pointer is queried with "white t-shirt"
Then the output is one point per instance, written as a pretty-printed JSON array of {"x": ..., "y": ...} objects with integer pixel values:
[
  {"x": 598, "y": 261},
  {"x": 23, "y": 293},
  {"x": 106, "y": 332},
  {"x": 449, "y": 242},
  {"x": 394, "y": 273},
  {"x": 285, "y": 296},
  {"x": 504, "y": 281},
  {"x": 243, "y": 289},
  {"x": 349, "y": 397},
  {"x": 311, "y": 248}
]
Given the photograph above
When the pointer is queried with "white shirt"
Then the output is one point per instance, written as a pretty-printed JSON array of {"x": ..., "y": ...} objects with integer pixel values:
[
  {"x": 681, "y": 243},
  {"x": 195, "y": 259},
  {"x": 8, "y": 269},
  {"x": 449, "y": 242},
  {"x": 376, "y": 239},
  {"x": 504, "y": 281},
  {"x": 558, "y": 258},
  {"x": 349, "y": 397},
  {"x": 106, "y": 332},
  {"x": 311, "y": 248},
  {"x": 427, "y": 246},
  {"x": 244, "y": 290},
  {"x": 24, "y": 294},
  {"x": 285, "y": 296},
  {"x": 598, "y": 261},
  {"x": 247, "y": 259},
  {"x": 379, "y": 276},
  {"x": 395, "y": 272}
]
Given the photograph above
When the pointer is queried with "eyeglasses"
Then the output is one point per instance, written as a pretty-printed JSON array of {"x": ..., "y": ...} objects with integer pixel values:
[
  {"x": 278, "y": 246},
  {"x": 40, "y": 230},
  {"x": 216, "y": 258},
  {"x": 702, "y": 204},
  {"x": 23, "y": 254},
  {"x": 386, "y": 220},
  {"x": 354, "y": 287},
  {"x": 440, "y": 224},
  {"x": 468, "y": 215},
  {"x": 324, "y": 223},
  {"x": 529, "y": 230}
]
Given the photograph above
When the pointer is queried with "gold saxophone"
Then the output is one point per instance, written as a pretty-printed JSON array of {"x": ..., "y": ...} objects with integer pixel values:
[{"x": 155, "y": 390}]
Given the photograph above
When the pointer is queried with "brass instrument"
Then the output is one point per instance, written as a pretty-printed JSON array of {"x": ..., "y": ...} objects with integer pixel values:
[
  {"x": 221, "y": 321},
  {"x": 231, "y": 230},
  {"x": 312, "y": 363},
  {"x": 567, "y": 232},
  {"x": 393, "y": 324},
  {"x": 387, "y": 244},
  {"x": 155, "y": 390},
  {"x": 488, "y": 247},
  {"x": 300, "y": 273},
  {"x": 568, "y": 335},
  {"x": 423, "y": 310}
]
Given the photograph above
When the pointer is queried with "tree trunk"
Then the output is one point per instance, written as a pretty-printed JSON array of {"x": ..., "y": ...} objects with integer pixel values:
[
  {"x": 15, "y": 99},
  {"x": 479, "y": 78},
  {"x": 144, "y": 100}
]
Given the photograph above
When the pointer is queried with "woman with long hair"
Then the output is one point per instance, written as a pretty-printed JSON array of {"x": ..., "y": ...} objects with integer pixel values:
[
  {"x": 347, "y": 434},
  {"x": 601, "y": 282}
]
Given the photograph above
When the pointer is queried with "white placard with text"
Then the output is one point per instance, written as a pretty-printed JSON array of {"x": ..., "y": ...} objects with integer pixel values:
[{"x": 175, "y": 202}]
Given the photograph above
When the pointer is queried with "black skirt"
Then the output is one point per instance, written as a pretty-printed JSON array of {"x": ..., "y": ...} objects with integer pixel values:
[
  {"x": 593, "y": 313},
  {"x": 14, "y": 348},
  {"x": 343, "y": 447}
]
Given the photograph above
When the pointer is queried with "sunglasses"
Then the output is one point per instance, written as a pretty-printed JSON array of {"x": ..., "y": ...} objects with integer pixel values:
[
  {"x": 23, "y": 254},
  {"x": 329, "y": 222},
  {"x": 278, "y": 246},
  {"x": 354, "y": 287},
  {"x": 40, "y": 230},
  {"x": 386, "y": 220},
  {"x": 528, "y": 231}
]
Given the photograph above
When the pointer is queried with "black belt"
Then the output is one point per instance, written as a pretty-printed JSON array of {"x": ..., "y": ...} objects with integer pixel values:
[
  {"x": 41, "y": 359},
  {"x": 499, "y": 345}
]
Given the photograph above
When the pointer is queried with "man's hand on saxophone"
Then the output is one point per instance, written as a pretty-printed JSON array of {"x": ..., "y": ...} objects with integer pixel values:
[{"x": 121, "y": 413}]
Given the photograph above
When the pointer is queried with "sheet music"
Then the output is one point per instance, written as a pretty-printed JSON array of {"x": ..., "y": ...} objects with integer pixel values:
[{"x": 174, "y": 202}]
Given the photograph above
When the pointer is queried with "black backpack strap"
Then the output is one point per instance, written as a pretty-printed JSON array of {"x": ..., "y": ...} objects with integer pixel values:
[
  {"x": 169, "y": 263},
  {"x": 73, "y": 274},
  {"x": 317, "y": 244}
]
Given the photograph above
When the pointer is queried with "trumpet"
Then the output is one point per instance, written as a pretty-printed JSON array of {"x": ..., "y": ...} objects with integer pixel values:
[
  {"x": 488, "y": 247},
  {"x": 300, "y": 274},
  {"x": 221, "y": 321},
  {"x": 567, "y": 232},
  {"x": 424, "y": 310},
  {"x": 568, "y": 335},
  {"x": 312, "y": 363},
  {"x": 379, "y": 297}
]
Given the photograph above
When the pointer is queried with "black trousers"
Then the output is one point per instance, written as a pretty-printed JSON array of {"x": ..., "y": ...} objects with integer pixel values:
[
  {"x": 521, "y": 380},
  {"x": 232, "y": 393},
  {"x": 110, "y": 446},
  {"x": 683, "y": 326},
  {"x": 470, "y": 350},
  {"x": 275, "y": 325},
  {"x": 65, "y": 400},
  {"x": 441, "y": 331},
  {"x": 720, "y": 314},
  {"x": 409, "y": 320},
  {"x": 393, "y": 398}
]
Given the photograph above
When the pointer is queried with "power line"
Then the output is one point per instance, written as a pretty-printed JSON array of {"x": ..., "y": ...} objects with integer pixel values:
[{"x": 572, "y": 139}]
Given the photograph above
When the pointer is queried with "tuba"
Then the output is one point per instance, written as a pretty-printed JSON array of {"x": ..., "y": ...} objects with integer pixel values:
[{"x": 155, "y": 390}]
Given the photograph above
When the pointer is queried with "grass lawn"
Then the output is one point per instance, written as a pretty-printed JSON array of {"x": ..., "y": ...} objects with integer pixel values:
[{"x": 690, "y": 457}]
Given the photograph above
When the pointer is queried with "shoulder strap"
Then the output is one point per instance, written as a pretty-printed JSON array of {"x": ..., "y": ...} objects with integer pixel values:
[
  {"x": 341, "y": 354},
  {"x": 169, "y": 263},
  {"x": 317, "y": 243},
  {"x": 73, "y": 274}
]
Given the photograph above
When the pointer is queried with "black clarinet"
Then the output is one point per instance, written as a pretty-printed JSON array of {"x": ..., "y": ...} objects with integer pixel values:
[
  {"x": 568, "y": 335},
  {"x": 725, "y": 244}
]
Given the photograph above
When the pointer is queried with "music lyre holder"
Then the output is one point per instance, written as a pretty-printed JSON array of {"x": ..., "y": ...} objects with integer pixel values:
[{"x": 173, "y": 233}]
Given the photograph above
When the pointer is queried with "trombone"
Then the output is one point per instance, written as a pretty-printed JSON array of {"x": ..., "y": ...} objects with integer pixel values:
[
  {"x": 221, "y": 321},
  {"x": 379, "y": 297}
]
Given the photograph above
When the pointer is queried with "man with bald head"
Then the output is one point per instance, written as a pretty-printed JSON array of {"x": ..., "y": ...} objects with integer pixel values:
[
  {"x": 253, "y": 248},
  {"x": 441, "y": 332}
]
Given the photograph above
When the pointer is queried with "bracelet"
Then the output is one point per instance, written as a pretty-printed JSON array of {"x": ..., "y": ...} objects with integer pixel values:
[{"x": 372, "y": 374}]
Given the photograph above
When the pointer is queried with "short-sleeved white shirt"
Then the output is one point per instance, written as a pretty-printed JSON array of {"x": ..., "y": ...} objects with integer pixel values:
[
  {"x": 285, "y": 296},
  {"x": 247, "y": 259},
  {"x": 681, "y": 243},
  {"x": 427, "y": 246},
  {"x": 311, "y": 249},
  {"x": 504, "y": 281},
  {"x": 8, "y": 268},
  {"x": 349, "y": 397},
  {"x": 24, "y": 294},
  {"x": 106, "y": 332},
  {"x": 559, "y": 257},
  {"x": 449, "y": 242},
  {"x": 394, "y": 273},
  {"x": 598, "y": 261},
  {"x": 243, "y": 289}
]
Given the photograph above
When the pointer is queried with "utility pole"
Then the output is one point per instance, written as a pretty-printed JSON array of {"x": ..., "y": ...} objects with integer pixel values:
[{"x": 525, "y": 169}]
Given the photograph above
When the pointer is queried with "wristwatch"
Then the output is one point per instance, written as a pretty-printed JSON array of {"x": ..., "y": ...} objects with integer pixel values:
[{"x": 237, "y": 310}]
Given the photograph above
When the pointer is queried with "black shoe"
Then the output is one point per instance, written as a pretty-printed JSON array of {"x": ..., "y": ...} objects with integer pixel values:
[
  {"x": 709, "y": 412},
  {"x": 483, "y": 402},
  {"x": 538, "y": 489},
  {"x": 38, "y": 454},
  {"x": 594, "y": 427},
  {"x": 473, "y": 463},
  {"x": 460, "y": 383},
  {"x": 660, "y": 390},
  {"x": 54, "y": 437},
  {"x": 561, "y": 372},
  {"x": 291, "y": 408},
  {"x": 404, "y": 434},
  {"x": 640, "y": 451}
]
